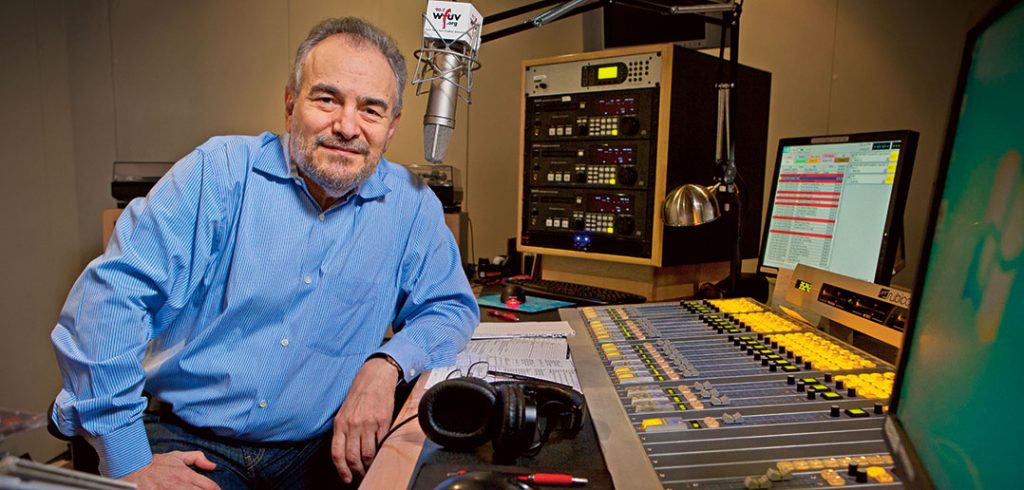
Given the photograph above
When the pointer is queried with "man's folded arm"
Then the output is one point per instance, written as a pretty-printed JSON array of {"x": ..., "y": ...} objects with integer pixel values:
[{"x": 439, "y": 312}]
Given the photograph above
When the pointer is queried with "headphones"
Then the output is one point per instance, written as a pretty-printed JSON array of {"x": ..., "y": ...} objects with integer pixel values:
[{"x": 463, "y": 413}]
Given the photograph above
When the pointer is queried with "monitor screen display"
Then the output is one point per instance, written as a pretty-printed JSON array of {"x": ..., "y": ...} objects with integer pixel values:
[
  {"x": 957, "y": 397},
  {"x": 836, "y": 201}
]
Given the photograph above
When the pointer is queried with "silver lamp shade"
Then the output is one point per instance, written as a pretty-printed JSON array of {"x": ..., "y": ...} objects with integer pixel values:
[{"x": 691, "y": 205}]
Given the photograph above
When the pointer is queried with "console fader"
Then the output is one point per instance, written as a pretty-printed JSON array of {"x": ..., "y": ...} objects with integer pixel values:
[{"x": 728, "y": 394}]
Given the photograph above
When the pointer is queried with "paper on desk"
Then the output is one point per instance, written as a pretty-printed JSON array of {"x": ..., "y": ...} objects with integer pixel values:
[
  {"x": 539, "y": 348},
  {"x": 496, "y": 330},
  {"x": 541, "y": 358},
  {"x": 555, "y": 370}
]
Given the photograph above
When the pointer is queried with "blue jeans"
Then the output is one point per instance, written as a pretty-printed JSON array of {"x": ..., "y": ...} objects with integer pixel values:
[{"x": 241, "y": 466}]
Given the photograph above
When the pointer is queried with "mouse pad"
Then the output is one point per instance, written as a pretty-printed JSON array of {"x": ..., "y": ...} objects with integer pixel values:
[{"x": 533, "y": 304}]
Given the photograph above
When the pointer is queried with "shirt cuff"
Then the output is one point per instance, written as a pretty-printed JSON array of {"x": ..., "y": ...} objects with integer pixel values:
[
  {"x": 406, "y": 354},
  {"x": 124, "y": 451}
]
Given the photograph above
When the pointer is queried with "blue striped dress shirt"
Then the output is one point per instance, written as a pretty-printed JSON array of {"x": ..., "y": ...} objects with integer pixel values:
[{"x": 230, "y": 295}]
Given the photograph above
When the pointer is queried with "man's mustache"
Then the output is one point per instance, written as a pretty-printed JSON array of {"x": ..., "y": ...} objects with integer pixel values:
[{"x": 353, "y": 145}]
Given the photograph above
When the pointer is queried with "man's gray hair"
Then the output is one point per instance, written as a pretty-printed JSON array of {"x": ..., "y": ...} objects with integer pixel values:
[{"x": 362, "y": 31}]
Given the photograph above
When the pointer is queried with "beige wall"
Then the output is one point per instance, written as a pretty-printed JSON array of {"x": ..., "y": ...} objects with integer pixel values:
[
  {"x": 40, "y": 246},
  {"x": 865, "y": 65},
  {"x": 87, "y": 82}
]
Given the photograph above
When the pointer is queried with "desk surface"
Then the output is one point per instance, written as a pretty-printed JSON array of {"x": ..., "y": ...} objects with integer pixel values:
[{"x": 397, "y": 460}]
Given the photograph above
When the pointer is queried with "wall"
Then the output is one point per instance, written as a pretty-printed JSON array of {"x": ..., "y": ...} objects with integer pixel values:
[
  {"x": 871, "y": 65},
  {"x": 40, "y": 245}
]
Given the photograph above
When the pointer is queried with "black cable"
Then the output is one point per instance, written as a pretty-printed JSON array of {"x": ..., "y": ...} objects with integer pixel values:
[
  {"x": 387, "y": 434},
  {"x": 472, "y": 240}
]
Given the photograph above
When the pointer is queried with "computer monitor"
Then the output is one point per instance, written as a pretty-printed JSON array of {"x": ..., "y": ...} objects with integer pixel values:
[
  {"x": 954, "y": 421},
  {"x": 837, "y": 203}
]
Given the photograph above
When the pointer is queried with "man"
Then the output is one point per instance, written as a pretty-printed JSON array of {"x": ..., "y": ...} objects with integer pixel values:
[{"x": 248, "y": 294}]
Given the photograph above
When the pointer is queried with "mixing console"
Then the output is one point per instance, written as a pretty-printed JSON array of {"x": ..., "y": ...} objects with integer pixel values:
[{"x": 729, "y": 394}]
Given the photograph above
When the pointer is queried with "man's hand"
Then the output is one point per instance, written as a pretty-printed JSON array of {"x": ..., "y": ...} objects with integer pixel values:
[
  {"x": 364, "y": 418},
  {"x": 172, "y": 470}
]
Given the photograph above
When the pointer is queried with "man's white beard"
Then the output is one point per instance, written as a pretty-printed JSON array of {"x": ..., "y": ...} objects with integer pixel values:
[{"x": 333, "y": 184}]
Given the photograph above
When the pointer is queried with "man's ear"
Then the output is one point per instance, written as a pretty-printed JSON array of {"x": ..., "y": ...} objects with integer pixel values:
[
  {"x": 392, "y": 128},
  {"x": 289, "y": 108}
]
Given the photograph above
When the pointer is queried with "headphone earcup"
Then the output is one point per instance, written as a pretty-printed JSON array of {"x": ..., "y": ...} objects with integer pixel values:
[
  {"x": 517, "y": 425},
  {"x": 566, "y": 403},
  {"x": 460, "y": 413}
]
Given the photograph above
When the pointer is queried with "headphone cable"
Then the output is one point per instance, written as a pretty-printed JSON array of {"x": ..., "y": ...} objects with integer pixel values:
[{"x": 394, "y": 428}]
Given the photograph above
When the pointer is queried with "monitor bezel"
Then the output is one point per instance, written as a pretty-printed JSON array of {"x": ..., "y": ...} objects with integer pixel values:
[
  {"x": 915, "y": 475},
  {"x": 888, "y": 249}
]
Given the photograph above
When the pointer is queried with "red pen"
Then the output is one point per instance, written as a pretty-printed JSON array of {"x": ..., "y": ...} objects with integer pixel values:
[
  {"x": 503, "y": 314},
  {"x": 553, "y": 479}
]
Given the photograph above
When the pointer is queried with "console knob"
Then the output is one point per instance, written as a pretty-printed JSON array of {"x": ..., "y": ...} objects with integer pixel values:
[
  {"x": 581, "y": 177},
  {"x": 629, "y": 125},
  {"x": 879, "y": 408},
  {"x": 582, "y": 130},
  {"x": 833, "y": 410},
  {"x": 578, "y": 224},
  {"x": 627, "y": 176}
]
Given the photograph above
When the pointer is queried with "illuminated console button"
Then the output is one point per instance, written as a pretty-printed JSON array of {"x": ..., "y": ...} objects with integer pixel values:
[
  {"x": 856, "y": 412},
  {"x": 832, "y": 478},
  {"x": 879, "y": 474},
  {"x": 651, "y": 424},
  {"x": 831, "y": 395}
]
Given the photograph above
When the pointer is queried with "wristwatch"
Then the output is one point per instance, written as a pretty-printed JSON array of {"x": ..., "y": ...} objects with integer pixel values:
[{"x": 391, "y": 361}]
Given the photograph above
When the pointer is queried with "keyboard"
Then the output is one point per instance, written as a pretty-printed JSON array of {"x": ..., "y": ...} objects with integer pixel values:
[{"x": 576, "y": 293}]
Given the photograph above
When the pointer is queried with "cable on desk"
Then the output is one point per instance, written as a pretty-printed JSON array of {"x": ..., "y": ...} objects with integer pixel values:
[{"x": 394, "y": 428}]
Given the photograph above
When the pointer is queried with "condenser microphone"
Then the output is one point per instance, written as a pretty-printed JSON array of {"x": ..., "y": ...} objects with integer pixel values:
[
  {"x": 451, "y": 38},
  {"x": 439, "y": 119}
]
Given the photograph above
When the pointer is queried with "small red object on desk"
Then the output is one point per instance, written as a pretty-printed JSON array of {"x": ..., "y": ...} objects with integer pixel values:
[
  {"x": 553, "y": 479},
  {"x": 502, "y": 314}
]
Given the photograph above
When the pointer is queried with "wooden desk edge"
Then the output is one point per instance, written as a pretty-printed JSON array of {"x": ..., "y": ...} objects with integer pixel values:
[{"x": 394, "y": 465}]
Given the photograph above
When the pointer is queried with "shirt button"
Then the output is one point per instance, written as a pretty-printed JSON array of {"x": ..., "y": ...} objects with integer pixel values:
[
  {"x": 307, "y": 280},
  {"x": 263, "y": 404},
  {"x": 284, "y": 342},
  {"x": 412, "y": 372},
  {"x": 321, "y": 217}
]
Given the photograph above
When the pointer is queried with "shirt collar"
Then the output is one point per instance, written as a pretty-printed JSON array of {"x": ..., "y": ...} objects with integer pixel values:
[{"x": 277, "y": 163}]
